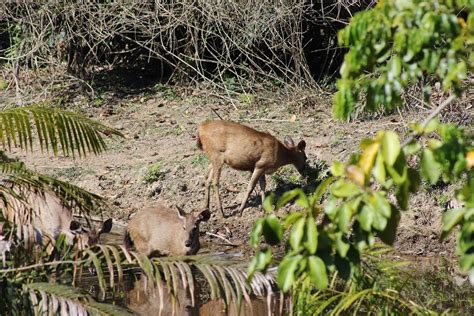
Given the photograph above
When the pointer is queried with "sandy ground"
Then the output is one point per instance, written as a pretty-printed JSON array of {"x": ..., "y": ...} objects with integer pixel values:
[{"x": 160, "y": 131}]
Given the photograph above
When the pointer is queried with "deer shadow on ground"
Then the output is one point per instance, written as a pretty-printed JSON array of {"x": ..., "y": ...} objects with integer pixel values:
[{"x": 314, "y": 174}]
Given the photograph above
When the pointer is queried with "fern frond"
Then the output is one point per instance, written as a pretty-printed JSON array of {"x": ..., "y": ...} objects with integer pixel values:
[
  {"x": 55, "y": 129},
  {"x": 49, "y": 299}
]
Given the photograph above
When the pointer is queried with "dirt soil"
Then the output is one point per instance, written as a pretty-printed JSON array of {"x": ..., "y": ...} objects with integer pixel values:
[{"x": 159, "y": 160}]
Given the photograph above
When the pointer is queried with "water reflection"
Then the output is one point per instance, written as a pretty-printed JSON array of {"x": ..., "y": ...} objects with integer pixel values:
[{"x": 147, "y": 299}]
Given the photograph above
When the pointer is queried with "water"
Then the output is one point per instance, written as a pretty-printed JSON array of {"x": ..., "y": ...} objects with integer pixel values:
[{"x": 144, "y": 298}]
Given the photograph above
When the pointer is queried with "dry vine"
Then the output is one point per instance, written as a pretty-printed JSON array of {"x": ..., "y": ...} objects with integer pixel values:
[{"x": 233, "y": 45}]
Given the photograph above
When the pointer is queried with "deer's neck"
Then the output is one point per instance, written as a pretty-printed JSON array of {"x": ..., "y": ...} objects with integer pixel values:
[{"x": 285, "y": 156}]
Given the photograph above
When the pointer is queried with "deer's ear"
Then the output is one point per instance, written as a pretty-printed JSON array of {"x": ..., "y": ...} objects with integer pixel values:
[
  {"x": 181, "y": 212},
  {"x": 75, "y": 226},
  {"x": 302, "y": 145},
  {"x": 204, "y": 216},
  {"x": 106, "y": 227},
  {"x": 288, "y": 142}
]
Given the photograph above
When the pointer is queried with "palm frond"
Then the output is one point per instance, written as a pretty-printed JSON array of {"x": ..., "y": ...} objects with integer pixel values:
[
  {"x": 16, "y": 178},
  {"x": 223, "y": 275},
  {"x": 55, "y": 129},
  {"x": 50, "y": 299}
]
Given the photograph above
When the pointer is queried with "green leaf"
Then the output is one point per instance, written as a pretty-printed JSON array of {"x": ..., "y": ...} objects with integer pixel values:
[
  {"x": 451, "y": 218},
  {"x": 302, "y": 200},
  {"x": 337, "y": 168},
  {"x": 390, "y": 147},
  {"x": 317, "y": 272},
  {"x": 256, "y": 232},
  {"x": 331, "y": 207},
  {"x": 264, "y": 257},
  {"x": 399, "y": 171},
  {"x": 344, "y": 98},
  {"x": 345, "y": 215},
  {"x": 466, "y": 262},
  {"x": 379, "y": 221},
  {"x": 272, "y": 230},
  {"x": 259, "y": 262},
  {"x": 381, "y": 204},
  {"x": 286, "y": 272},
  {"x": 411, "y": 148},
  {"x": 296, "y": 234},
  {"x": 288, "y": 196},
  {"x": 322, "y": 187},
  {"x": 365, "y": 218},
  {"x": 343, "y": 188},
  {"x": 367, "y": 158},
  {"x": 291, "y": 218},
  {"x": 341, "y": 246},
  {"x": 431, "y": 126},
  {"x": 395, "y": 66},
  {"x": 379, "y": 169},
  {"x": 311, "y": 243},
  {"x": 267, "y": 204},
  {"x": 430, "y": 168}
]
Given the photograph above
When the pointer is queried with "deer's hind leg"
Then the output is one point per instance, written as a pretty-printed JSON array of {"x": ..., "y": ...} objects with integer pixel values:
[{"x": 208, "y": 187}]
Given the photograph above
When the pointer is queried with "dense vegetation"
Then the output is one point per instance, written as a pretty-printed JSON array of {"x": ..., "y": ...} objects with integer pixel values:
[{"x": 332, "y": 261}]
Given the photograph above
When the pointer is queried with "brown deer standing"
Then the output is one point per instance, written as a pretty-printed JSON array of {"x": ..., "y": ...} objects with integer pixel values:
[
  {"x": 244, "y": 148},
  {"x": 166, "y": 231}
]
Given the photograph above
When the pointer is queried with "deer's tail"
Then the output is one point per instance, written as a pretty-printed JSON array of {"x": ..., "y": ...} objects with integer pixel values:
[{"x": 198, "y": 141}]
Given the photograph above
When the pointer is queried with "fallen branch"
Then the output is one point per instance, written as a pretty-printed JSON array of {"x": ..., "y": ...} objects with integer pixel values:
[
  {"x": 223, "y": 238},
  {"x": 435, "y": 113}
]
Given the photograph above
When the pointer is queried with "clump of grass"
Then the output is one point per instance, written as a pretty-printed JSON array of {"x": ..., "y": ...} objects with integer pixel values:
[
  {"x": 200, "y": 160},
  {"x": 71, "y": 173},
  {"x": 286, "y": 174},
  {"x": 167, "y": 91},
  {"x": 153, "y": 173}
]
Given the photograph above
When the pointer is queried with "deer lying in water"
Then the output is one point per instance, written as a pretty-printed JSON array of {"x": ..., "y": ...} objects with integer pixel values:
[
  {"x": 49, "y": 218},
  {"x": 166, "y": 231},
  {"x": 244, "y": 148}
]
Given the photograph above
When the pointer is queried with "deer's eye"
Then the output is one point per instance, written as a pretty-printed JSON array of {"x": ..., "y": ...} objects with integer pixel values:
[{"x": 184, "y": 227}]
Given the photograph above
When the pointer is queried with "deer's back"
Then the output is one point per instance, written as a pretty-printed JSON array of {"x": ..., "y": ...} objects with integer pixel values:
[
  {"x": 157, "y": 229},
  {"x": 44, "y": 211},
  {"x": 240, "y": 146}
]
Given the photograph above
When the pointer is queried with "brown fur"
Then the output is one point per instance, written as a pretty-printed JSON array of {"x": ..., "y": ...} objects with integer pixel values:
[
  {"x": 244, "y": 148},
  {"x": 166, "y": 231},
  {"x": 49, "y": 217}
]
